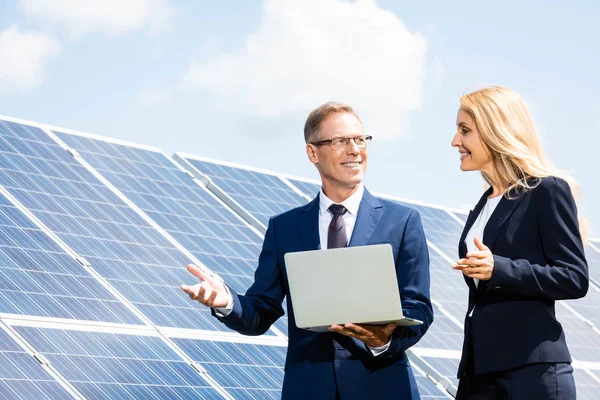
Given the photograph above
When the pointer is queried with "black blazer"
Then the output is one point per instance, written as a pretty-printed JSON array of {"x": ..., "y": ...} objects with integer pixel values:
[{"x": 538, "y": 258}]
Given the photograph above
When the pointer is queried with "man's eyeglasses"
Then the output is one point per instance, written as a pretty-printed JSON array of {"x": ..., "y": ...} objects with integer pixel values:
[{"x": 337, "y": 143}]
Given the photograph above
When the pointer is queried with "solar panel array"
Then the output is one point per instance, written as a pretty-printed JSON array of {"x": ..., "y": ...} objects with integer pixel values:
[{"x": 95, "y": 234}]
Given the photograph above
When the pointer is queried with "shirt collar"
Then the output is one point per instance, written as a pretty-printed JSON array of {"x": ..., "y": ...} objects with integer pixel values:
[{"x": 352, "y": 203}]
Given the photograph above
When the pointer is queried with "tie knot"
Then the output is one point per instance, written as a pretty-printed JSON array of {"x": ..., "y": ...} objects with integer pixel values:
[{"x": 337, "y": 209}]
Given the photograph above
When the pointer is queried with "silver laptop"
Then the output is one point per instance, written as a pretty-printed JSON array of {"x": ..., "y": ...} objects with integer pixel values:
[{"x": 351, "y": 284}]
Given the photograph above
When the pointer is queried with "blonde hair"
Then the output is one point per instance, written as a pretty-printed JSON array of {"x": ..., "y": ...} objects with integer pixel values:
[{"x": 509, "y": 134}]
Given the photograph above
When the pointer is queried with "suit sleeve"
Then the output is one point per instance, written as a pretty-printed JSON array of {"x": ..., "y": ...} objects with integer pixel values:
[
  {"x": 255, "y": 312},
  {"x": 565, "y": 276},
  {"x": 412, "y": 270}
]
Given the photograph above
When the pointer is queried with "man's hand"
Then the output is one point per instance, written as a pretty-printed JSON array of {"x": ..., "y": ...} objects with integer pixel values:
[
  {"x": 371, "y": 335},
  {"x": 477, "y": 265},
  {"x": 210, "y": 291}
]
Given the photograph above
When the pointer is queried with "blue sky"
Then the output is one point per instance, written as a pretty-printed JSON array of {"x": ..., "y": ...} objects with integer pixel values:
[{"x": 235, "y": 80}]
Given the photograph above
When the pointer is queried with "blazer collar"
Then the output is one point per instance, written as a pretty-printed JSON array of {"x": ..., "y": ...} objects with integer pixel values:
[
  {"x": 503, "y": 211},
  {"x": 471, "y": 220},
  {"x": 369, "y": 215},
  {"x": 309, "y": 225}
]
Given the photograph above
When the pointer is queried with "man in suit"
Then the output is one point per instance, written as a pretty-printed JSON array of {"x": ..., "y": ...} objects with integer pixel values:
[{"x": 351, "y": 361}]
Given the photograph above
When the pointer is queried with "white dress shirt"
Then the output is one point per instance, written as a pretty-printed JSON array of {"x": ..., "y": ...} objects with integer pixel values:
[
  {"x": 352, "y": 204},
  {"x": 478, "y": 227}
]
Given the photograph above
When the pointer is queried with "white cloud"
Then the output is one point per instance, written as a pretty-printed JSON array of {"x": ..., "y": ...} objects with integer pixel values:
[
  {"x": 436, "y": 72},
  {"x": 24, "y": 56},
  {"x": 308, "y": 52},
  {"x": 107, "y": 16},
  {"x": 149, "y": 98}
]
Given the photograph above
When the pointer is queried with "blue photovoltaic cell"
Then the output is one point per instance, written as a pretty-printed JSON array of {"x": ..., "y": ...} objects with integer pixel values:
[
  {"x": 442, "y": 334},
  {"x": 440, "y": 228},
  {"x": 308, "y": 188},
  {"x": 246, "y": 371},
  {"x": 428, "y": 389},
  {"x": 583, "y": 341},
  {"x": 587, "y": 387},
  {"x": 188, "y": 212},
  {"x": 250, "y": 371},
  {"x": 448, "y": 286},
  {"x": 262, "y": 195},
  {"x": 447, "y": 367},
  {"x": 122, "y": 247},
  {"x": 38, "y": 278},
  {"x": 22, "y": 377},
  {"x": 461, "y": 216},
  {"x": 118, "y": 366},
  {"x": 589, "y": 306}
]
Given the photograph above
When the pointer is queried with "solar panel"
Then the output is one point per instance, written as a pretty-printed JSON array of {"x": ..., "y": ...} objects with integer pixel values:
[
  {"x": 246, "y": 371},
  {"x": 105, "y": 365},
  {"x": 22, "y": 377},
  {"x": 262, "y": 194},
  {"x": 221, "y": 240},
  {"x": 446, "y": 366},
  {"x": 583, "y": 341},
  {"x": 427, "y": 388},
  {"x": 460, "y": 215},
  {"x": 592, "y": 254},
  {"x": 309, "y": 188},
  {"x": 37, "y": 277},
  {"x": 445, "y": 333},
  {"x": 441, "y": 228},
  {"x": 135, "y": 258},
  {"x": 589, "y": 306},
  {"x": 588, "y": 384}
]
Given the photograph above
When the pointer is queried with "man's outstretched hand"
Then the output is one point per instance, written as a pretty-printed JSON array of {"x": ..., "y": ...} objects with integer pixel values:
[{"x": 210, "y": 291}]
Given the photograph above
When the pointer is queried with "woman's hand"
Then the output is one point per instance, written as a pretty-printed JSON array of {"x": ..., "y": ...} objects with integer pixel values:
[{"x": 478, "y": 264}]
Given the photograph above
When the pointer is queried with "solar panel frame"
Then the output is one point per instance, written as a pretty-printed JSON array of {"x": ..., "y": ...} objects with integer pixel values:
[
  {"x": 24, "y": 365},
  {"x": 99, "y": 200},
  {"x": 90, "y": 246},
  {"x": 58, "y": 271},
  {"x": 229, "y": 184},
  {"x": 245, "y": 370},
  {"x": 74, "y": 372},
  {"x": 175, "y": 237}
]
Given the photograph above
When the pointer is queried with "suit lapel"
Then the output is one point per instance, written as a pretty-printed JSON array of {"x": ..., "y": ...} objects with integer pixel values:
[
  {"x": 309, "y": 225},
  {"x": 471, "y": 220},
  {"x": 503, "y": 211},
  {"x": 462, "y": 245},
  {"x": 369, "y": 215}
]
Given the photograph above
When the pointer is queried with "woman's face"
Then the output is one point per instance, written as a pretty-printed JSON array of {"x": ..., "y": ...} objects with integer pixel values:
[{"x": 473, "y": 153}]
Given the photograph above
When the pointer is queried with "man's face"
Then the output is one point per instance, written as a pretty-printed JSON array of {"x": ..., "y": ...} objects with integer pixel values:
[{"x": 342, "y": 168}]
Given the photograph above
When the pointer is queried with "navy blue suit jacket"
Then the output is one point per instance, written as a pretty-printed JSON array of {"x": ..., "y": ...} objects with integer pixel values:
[
  {"x": 538, "y": 258},
  {"x": 318, "y": 364}
]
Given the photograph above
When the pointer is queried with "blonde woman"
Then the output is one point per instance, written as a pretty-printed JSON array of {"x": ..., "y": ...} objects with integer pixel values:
[{"x": 521, "y": 250}]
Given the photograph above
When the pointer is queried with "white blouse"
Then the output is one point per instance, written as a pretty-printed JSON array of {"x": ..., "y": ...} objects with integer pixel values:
[{"x": 478, "y": 227}]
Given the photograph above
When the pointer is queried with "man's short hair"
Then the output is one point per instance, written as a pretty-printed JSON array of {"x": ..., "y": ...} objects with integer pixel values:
[{"x": 319, "y": 114}]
